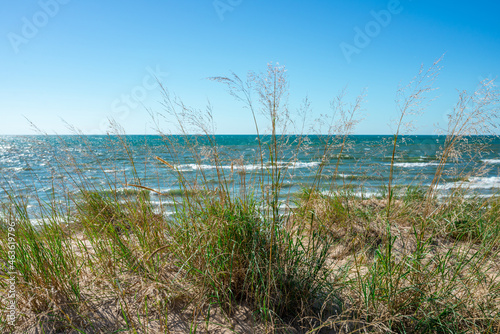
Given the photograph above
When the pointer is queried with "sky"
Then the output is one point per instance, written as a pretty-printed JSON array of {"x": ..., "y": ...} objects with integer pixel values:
[{"x": 74, "y": 63}]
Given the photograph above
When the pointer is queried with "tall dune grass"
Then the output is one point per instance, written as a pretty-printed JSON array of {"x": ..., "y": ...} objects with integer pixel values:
[{"x": 259, "y": 260}]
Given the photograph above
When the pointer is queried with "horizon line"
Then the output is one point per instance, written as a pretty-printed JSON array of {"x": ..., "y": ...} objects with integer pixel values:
[{"x": 234, "y": 134}]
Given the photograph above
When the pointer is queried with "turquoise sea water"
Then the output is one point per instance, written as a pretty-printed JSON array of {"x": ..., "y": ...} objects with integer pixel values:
[{"x": 42, "y": 168}]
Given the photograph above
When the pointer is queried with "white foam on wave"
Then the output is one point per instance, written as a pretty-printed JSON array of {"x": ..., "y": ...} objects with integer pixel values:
[
  {"x": 194, "y": 167},
  {"x": 414, "y": 164},
  {"x": 492, "y": 161},
  {"x": 298, "y": 165},
  {"x": 164, "y": 202},
  {"x": 161, "y": 191},
  {"x": 280, "y": 164},
  {"x": 39, "y": 222},
  {"x": 479, "y": 196},
  {"x": 113, "y": 170},
  {"x": 492, "y": 182},
  {"x": 16, "y": 169}
]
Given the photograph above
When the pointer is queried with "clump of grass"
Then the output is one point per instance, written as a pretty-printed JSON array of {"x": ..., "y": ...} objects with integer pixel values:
[
  {"x": 239, "y": 253},
  {"x": 473, "y": 220},
  {"x": 226, "y": 251},
  {"x": 413, "y": 281},
  {"x": 414, "y": 195},
  {"x": 48, "y": 273}
]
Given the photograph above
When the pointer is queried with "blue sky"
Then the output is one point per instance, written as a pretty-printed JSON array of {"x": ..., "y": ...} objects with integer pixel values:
[{"x": 82, "y": 62}]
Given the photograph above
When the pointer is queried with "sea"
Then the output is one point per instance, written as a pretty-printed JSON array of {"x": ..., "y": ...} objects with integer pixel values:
[{"x": 39, "y": 171}]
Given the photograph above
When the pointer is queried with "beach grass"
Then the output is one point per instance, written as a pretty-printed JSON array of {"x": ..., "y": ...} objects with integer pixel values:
[{"x": 405, "y": 261}]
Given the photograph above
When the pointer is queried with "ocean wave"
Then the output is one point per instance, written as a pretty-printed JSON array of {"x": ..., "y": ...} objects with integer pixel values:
[
  {"x": 14, "y": 169},
  {"x": 248, "y": 167},
  {"x": 163, "y": 202},
  {"x": 194, "y": 167},
  {"x": 491, "y": 182},
  {"x": 117, "y": 170},
  {"x": 297, "y": 165},
  {"x": 492, "y": 161},
  {"x": 414, "y": 164}
]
